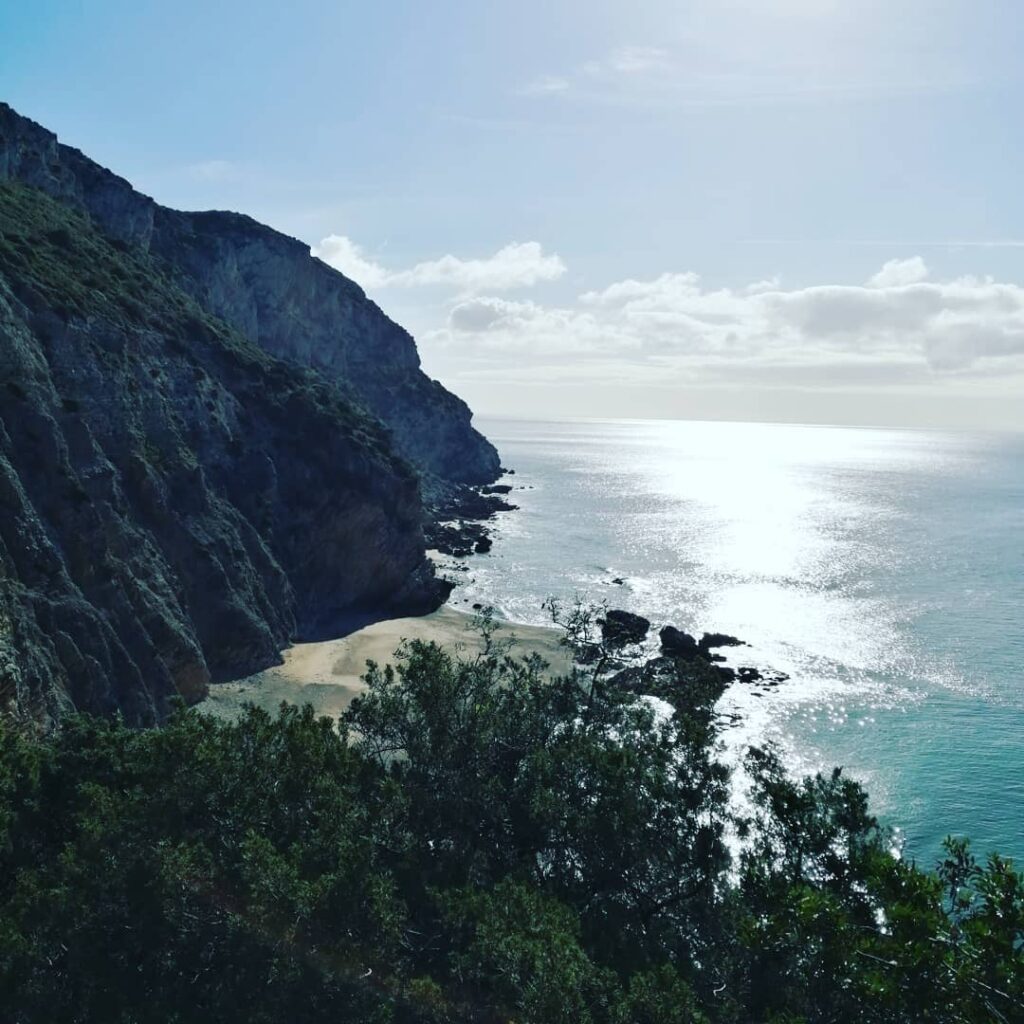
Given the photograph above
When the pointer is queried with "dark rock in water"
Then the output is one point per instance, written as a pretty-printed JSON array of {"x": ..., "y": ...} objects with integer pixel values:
[
  {"x": 748, "y": 674},
  {"x": 618, "y": 581},
  {"x": 677, "y": 644},
  {"x": 469, "y": 503},
  {"x": 496, "y": 489},
  {"x": 709, "y": 640},
  {"x": 458, "y": 540},
  {"x": 477, "y": 606},
  {"x": 681, "y": 682},
  {"x": 619, "y": 628},
  {"x": 456, "y": 517},
  {"x": 210, "y": 443}
]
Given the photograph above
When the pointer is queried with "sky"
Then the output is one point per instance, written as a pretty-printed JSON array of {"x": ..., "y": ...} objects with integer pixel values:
[{"x": 787, "y": 210}]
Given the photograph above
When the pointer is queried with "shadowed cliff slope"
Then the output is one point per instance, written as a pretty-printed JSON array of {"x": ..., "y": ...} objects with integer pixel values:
[
  {"x": 181, "y": 492},
  {"x": 269, "y": 287}
]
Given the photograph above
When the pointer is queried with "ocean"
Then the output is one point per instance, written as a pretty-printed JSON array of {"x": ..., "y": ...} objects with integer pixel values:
[{"x": 883, "y": 570}]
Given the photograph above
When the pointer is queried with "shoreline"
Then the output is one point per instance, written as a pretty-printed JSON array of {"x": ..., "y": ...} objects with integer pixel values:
[{"x": 327, "y": 673}]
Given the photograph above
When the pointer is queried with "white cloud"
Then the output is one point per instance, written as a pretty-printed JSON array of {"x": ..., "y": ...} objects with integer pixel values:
[
  {"x": 728, "y": 52},
  {"x": 623, "y": 63},
  {"x": 897, "y": 325},
  {"x": 632, "y": 60},
  {"x": 899, "y": 272},
  {"x": 343, "y": 254},
  {"x": 516, "y": 265}
]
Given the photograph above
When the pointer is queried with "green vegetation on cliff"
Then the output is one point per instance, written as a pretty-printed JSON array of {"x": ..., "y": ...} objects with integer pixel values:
[{"x": 475, "y": 843}]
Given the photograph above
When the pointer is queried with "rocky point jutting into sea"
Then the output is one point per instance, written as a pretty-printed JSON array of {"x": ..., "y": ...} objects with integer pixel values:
[{"x": 164, "y": 519}]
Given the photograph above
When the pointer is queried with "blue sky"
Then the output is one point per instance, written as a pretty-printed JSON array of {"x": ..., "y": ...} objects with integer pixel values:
[{"x": 652, "y": 208}]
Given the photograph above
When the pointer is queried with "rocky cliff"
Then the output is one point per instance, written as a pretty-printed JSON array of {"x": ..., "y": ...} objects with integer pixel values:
[
  {"x": 210, "y": 443},
  {"x": 268, "y": 287}
]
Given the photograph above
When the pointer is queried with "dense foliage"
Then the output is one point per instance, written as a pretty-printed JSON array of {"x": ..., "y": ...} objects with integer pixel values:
[{"x": 476, "y": 842}]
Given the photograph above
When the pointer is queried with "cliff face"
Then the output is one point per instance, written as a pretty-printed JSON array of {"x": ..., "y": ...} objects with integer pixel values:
[
  {"x": 189, "y": 477},
  {"x": 268, "y": 287}
]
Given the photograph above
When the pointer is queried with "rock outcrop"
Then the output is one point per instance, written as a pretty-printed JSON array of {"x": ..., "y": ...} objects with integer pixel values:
[
  {"x": 210, "y": 444},
  {"x": 677, "y": 644},
  {"x": 621, "y": 628}
]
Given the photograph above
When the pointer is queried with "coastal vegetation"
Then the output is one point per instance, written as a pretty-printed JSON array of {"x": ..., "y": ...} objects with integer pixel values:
[{"x": 476, "y": 841}]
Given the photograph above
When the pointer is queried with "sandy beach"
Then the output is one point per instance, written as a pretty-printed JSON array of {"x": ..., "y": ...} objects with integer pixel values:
[{"x": 327, "y": 674}]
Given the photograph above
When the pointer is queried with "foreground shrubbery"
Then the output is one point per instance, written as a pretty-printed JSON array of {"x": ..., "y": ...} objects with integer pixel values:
[{"x": 495, "y": 846}]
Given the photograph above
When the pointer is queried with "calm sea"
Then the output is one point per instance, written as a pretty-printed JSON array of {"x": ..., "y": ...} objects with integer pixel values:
[{"x": 882, "y": 569}]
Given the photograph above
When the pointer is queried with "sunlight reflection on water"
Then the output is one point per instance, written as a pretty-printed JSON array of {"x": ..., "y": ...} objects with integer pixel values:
[{"x": 881, "y": 569}]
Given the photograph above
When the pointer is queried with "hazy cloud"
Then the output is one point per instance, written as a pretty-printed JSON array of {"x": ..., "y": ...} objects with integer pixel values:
[
  {"x": 898, "y": 319},
  {"x": 343, "y": 254},
  {"x": 897, "y": 272},
  {"x": 631, "y": 60},
  {"x": 623, "y": 63},
  {"x": 517, "y": 265},
  {"x": 546, "y": 85},
  {"x": 720, "y": 52}
]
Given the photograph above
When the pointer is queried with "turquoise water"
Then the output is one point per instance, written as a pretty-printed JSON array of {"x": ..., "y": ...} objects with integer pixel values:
[{"x": 882, "y": 569}]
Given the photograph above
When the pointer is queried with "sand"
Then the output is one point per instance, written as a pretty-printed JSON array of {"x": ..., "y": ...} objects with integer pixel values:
[{"x": 326, "y": 674}]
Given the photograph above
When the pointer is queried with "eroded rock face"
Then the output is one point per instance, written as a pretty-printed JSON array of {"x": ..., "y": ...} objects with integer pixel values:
[
  {"x": 268, "y": 287},
  {"x": 181, "y": 493}
]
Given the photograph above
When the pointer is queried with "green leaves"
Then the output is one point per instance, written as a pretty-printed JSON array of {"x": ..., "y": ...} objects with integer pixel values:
[{"x": 476, "y": 842}]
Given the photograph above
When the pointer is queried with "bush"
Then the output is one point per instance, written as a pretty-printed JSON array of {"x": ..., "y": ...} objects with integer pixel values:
[{"x": 475, "y": 842}]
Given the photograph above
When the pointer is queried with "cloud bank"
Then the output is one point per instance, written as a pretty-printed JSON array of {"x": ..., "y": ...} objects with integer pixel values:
[
  {"x": 516, "y": 265},
  {"x": 899, "y": 330},
  {"x": 897, "y": 320}
]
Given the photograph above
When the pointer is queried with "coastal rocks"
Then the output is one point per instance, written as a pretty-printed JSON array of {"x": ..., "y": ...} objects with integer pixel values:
[
  {"x": 447, "y": 501},
  {"x": 456, "y": 539},
  {"x": 621, "y": 628},
  {"x": 687, "y": 672},
  {"x": 749, "y": 674},
  {"x": 711, "y": 640},
  {"x": 681, "y": 682},
  {"x": 456, "y": 518},
  {"x": 677, "y": 644}
]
